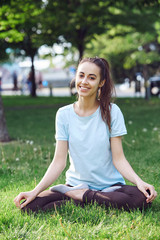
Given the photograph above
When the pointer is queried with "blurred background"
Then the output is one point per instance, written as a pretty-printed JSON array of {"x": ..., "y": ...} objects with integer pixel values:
[{"x": 42, "y": 41}]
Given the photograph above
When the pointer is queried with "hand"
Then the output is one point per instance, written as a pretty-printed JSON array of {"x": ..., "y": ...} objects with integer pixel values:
[
  {"x": 27, "y": 196},
  {"x": 148, "y": 190}
]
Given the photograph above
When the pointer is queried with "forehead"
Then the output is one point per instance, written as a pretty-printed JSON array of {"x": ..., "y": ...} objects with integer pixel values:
[{"x": 88, "y": 68}]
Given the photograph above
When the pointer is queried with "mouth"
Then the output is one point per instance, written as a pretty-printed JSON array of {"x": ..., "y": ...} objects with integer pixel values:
[{"x": 83, "y": 88}]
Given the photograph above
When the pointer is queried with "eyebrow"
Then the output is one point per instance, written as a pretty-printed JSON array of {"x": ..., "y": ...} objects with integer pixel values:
[{"x": 91, "y": 74}]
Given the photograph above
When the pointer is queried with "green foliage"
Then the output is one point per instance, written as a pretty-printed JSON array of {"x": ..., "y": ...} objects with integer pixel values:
[
  {"x": 24, "y": 161},
  {"x": 16, "y": 17},
  {"x": 29, "y": 24},
  {"x": 126, "y": 43},
  {"x": 141, "y": 58}
]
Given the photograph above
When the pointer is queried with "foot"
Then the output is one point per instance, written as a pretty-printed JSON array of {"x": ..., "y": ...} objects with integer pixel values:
[
  {"x": 73, "y": 192},
  {"x": 76, "y": 194}
]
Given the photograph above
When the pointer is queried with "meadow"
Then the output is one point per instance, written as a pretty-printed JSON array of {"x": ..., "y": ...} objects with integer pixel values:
[{"x": 24, "y": 160}]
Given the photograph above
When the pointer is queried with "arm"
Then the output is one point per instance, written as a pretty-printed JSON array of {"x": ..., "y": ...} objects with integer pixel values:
[
  {"x": 56, "y": 167},
  {"x": 123, "y": 166}
]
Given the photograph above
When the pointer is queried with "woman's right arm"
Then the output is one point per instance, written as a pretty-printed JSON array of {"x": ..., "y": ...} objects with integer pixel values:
[{"x": 56, "y": 167}]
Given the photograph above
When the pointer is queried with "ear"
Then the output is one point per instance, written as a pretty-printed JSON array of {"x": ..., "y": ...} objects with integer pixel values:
[{"x": 102, "y": 83}]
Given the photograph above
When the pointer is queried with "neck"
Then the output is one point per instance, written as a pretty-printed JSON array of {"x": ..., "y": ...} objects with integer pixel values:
[{"x": 87, "y": 103}]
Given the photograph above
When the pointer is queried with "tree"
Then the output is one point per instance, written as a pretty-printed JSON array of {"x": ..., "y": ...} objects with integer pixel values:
[
  {"x": 76, "y": 22},
  {"x": 21, "y": 28},
  {"x": 80, "y": 20},
  {"x": 13, "y": 16},
  {"x": 86, "y": 18},
  {"x": 132, "y": 43},
  {"x": 4, "y": 136}
]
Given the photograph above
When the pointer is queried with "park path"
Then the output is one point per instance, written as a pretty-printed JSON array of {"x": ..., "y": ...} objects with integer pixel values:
[{"x": 122, "y": 90}]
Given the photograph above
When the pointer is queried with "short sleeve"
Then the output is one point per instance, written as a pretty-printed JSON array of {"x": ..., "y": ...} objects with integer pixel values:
[
  {"x": 61, "y": 126},
  {"x": 118, "y": 127}
]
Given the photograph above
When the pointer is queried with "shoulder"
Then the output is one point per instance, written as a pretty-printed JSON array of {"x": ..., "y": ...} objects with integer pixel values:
[
  {"x": 116, "y": 113},
  {"x": 118, "y": 127},
  {"x": 66, "y": 109},
  {"x": 115, "y": 109},
  {"x": 64, "y": 112}
]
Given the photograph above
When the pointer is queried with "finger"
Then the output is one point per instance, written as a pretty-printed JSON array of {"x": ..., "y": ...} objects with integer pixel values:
[
  {"x": 24, "y": 203},
  {"x": 153, "y": 195},
  {"x": 145, "y": 193},
  {"x": 18, "y": 199},
  {"x": 17, "y": 204},
  {"x": 15, "y": 199}
]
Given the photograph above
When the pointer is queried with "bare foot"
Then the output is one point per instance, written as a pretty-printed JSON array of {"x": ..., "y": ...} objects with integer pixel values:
[{"x": 76, "y": 194}]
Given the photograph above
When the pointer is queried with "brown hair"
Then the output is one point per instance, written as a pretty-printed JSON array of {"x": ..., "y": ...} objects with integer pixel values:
[{"x": 106, "y": 91}]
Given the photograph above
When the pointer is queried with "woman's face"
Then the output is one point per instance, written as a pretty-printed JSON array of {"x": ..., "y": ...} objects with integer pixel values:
[{"x": 87, "y": 79}]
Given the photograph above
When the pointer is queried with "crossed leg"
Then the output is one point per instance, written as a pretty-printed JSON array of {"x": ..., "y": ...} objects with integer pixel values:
[
  {"x": 48, "y": 200},
  {"x": 126, "y": 197}
]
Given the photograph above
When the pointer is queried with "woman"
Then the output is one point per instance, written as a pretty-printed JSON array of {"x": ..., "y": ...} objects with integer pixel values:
[{"x": 91, "y": 130}]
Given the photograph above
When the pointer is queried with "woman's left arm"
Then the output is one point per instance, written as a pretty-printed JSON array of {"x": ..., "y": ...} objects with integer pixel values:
[{"x": 123, "y": 166}]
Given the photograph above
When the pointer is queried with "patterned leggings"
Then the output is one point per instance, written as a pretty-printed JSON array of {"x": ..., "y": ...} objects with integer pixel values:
[{"x": 127, "y": 198}]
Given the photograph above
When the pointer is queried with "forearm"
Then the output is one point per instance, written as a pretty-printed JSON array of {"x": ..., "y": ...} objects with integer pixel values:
[
  {"x": 123, "y": 166},
  {"x": 52, "y": 173}
]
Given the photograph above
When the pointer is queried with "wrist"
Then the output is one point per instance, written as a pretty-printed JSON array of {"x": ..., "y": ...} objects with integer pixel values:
[
  {"x": 139, "y": 181},
  {"x": 36, "y": 191}
]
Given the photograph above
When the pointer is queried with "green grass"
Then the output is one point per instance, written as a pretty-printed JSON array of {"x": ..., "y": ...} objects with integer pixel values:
[{"x": 24, "y": 161}]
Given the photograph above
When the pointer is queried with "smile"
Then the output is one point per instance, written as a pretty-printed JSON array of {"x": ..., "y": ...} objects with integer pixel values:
[{"x": 83, "y": 88}]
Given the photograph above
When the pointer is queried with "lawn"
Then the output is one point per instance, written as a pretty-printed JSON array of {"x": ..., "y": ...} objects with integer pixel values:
[{"x": 25, "y": 159}]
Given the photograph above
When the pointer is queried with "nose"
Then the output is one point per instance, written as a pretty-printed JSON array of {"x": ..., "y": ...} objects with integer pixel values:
[{"x": 84, "y": 81}]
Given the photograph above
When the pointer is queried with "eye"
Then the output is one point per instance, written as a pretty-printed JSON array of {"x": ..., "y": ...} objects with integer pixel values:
[
  {"x": 81, "y": 75},
  {"x": 92, "y": 78}
]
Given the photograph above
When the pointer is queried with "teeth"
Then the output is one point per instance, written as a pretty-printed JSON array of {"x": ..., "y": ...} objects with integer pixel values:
[{"x": 84, "y": 88}]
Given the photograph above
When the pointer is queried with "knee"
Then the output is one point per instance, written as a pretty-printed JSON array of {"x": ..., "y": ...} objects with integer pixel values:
[
  {"x": 33, "y": 206},
  {"x": 30, "y": 208},
  {"x": 140, "y": 200}
]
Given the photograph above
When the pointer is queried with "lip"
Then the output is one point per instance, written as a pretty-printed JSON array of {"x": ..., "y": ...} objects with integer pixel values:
[{"x": 83, "y": 88}]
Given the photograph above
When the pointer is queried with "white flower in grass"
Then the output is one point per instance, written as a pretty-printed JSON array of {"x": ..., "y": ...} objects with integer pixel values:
[
  {"x": 155, "y": 129},
  {"x": 27, "y": 141},
  {"x": 144, "y": 129},
  {"x": 133, "y": 141},
  {"x": 31, "y": 142},
  {"x": 130, "y": 122},
  {"x": 17, "y": 159},
  {"x": 35, "y": 149}
]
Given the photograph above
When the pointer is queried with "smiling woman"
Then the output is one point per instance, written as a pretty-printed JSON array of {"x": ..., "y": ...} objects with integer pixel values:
[
  {"x": 90, "y": 130},
  {"x": 88, "y": 79}
]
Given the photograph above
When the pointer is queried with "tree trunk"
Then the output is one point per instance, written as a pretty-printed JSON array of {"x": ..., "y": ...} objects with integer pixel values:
[
  {"x": 81, "y": 33},
  {"x": 33, "y": 80},
  {"x": 4, "y": 136},
  {"x": 81, "y": 51},
  {"x": 147, "y": 85}
]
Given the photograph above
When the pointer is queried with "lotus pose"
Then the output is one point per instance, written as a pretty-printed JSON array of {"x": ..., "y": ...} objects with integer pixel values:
[{"x": 90, "y": 129}]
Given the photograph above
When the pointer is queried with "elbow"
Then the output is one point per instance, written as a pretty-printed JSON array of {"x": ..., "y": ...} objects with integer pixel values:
[
  {"x": 64, "y": 165},
  {"x": 114, "y": 162},
  {"x": 118, "y": 160}
]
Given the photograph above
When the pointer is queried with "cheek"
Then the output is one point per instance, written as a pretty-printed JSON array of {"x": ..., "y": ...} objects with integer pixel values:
[
  {"x": 78, "y": 79},
  {"x": 76, "y": 82}
]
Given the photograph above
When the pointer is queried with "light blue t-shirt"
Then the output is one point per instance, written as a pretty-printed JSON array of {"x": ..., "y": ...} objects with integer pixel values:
[{"x": 89, "y": 146}]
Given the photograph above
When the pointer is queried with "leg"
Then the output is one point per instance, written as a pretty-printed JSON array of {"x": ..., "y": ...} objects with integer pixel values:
[
  {"x": 45, "y": 198},
  {"x": 53, "y": 205},
  {"x": 126, "y": 197}
]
